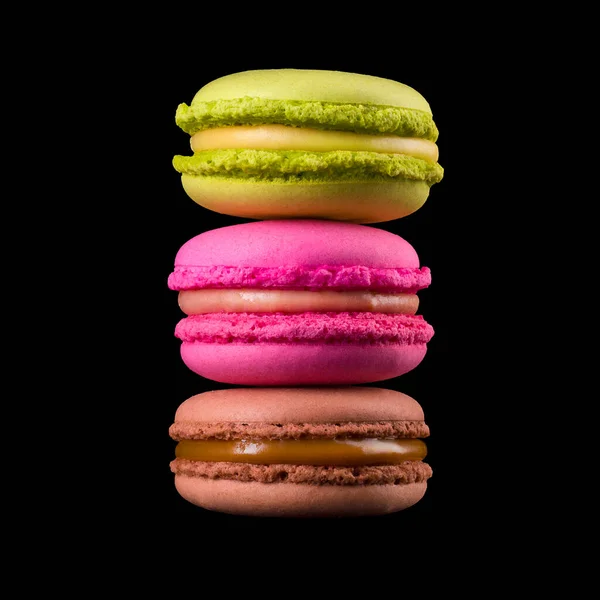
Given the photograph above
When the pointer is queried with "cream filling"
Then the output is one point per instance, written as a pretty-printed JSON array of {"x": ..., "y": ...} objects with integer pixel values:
[
  {"x": 281, "y": 137},
  {"x": 339, "y": 452},
  {"x": 196, "y": 302}
]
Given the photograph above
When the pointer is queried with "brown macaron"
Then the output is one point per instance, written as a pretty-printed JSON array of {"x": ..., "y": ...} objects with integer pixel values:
[{"x": 301, "y": 452}]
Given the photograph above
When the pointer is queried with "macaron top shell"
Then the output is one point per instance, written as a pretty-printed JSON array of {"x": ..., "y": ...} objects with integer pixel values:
[
  {"x": 312, "y": 85},
  {"x": 300, "y": 405},
  {"x": 297, "y": 243},
  {"x": 299, "y": 254},
  {"x": 330, "y": 100}
]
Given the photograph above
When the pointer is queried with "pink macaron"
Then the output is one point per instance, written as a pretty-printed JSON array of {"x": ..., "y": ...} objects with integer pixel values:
[{"x": 300, "y": 302}]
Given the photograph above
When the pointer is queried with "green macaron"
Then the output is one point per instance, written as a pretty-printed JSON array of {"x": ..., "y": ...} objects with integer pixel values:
[{"x": 288, "y": 143}]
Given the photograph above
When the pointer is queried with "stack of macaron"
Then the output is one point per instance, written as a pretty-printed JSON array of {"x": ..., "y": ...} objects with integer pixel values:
[{"x": 306, "y": 302}]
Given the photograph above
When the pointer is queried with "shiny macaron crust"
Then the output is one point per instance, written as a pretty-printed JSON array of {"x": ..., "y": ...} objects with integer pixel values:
[
  {"x": 317, "y": 425},
  {"x": 286, "y": 269},
  {"x": 295, "y": 143}
]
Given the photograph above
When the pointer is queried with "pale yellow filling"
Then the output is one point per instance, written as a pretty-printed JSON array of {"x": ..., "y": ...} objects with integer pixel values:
[
  {"x": 196, "y": 302},
  {"x": 281, "y": 137}
]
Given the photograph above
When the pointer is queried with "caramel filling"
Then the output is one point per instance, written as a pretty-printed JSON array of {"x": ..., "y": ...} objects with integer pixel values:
[
  {"x": 196, "y": 302},
  {"x": 337, "y": 452},
  {"x": 281, "y": 137}
]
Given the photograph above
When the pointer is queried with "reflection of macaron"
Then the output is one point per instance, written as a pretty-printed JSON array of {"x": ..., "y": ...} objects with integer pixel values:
[
  {"x": 301, "y": 451},
  {"x": 288, "y": 143},
  {"x": 300, "y": 303}
]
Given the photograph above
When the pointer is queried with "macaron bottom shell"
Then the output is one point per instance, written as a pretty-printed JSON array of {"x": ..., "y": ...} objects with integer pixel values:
[
  {"x": 300, "y": 364},
  {"x": 297, "y": 500},
  {"x": 355, "y": 201}
]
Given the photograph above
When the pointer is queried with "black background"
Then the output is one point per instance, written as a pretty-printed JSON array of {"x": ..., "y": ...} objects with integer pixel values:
[
  {"x": 160, "y": 217},
  {"x": 94, "y": 107}
]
